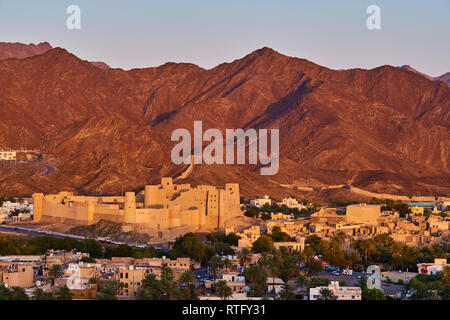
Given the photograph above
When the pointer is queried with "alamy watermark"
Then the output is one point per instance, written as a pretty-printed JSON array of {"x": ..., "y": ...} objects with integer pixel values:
[
  {"x": 374, "y": 280},
  {"x": 73, "y": 22},
  {"x": 374, "y": 20},
  {"x": 213, "y": 153}
]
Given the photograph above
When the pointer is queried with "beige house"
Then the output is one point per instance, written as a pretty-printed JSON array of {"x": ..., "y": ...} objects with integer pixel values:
[
  {"x": 17, "y": 275},
  {"x": 234, "y": 281},
  {"x": 363, "y": 213},
  {"x": 130, "y": 279},
  {"x": 291, "y": 246},
  {"x": 259, "y": 202}
]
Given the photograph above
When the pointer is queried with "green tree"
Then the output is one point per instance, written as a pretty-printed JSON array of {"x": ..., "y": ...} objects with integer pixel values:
[
  {"x": 326, "y": 294},
  {"x": 300, "y": 280},
  {"x": 275, "y": 265},
  {"x": 107, "y": 293},
  {"x": 223, "y": 290},
  {"x": 18, "y": 293},
  {"x": 373, "y": 294},
  {"x": 263, "y": 244},
  {"x": 87, "y": 260},
  {"x": 92, "y": 247},
  {"x": 278, "y": 236},
  {"x": 39, "y": 294},
  {"x": 123, "y": 250},
  {"x": 55, "y": 272},
  {"x": 287, "y": 292},
  {"x": 245, "y": 256},
  {"x": 309, "y": 255},
  {"x": 7, "y": 247},
  {"x": 187, "y": 278},
  {"x": 257, "y": 277},
  {"x": 232, "y": 239},
  {"x": 167, "y": 283},
  {"x": 151, "y": 289},
  {"x": 289, "y": 268},
  {"x": 64, "y": 293},
  {"x": 5, "y": 294},
  {"x": 214, "y": 264}
]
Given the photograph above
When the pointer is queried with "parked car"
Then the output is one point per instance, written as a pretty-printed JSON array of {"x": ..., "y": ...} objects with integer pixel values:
[
  {"x": 332, "y": 269},
  {"x": 336, "y": 273},
  {"x": 347, "y": 272}
]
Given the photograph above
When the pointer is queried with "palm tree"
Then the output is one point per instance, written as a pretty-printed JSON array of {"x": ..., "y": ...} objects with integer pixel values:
[
  {"x": 274, "y": 268},
  {"x": 309, "y": 254},
  {"x": 39, "y": 294},
  {"x": 290, "y": 266},
  {"x": 167, "y": 283},
  {"x": 187, "y": 278},
  {"x": 301, "y": 259},
  {"x": 300, "y": 280},
  {"x": 445, "y": 274},
  {"x": 64, "y": 294},
  {"x": 227, "y": 264},
  {"x": 147, "y": 282},
  {"x": 326, "y": 294},
  {"x": 107, "y": 293},
  {"x": 55, "y": 272},
  {"x": 245, "y": 256},
  {"x": 287, "y": 293},
  {"x": 214, "y": 263},
  {"x": 368, "y": 248},
  {"x": 223, "y": 290},
  {"x": 264, "y": 261},
  {"x": 18, "y": 293}
]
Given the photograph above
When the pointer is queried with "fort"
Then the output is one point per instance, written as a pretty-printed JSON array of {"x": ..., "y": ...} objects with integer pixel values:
[{"x": 160, "y": 208}]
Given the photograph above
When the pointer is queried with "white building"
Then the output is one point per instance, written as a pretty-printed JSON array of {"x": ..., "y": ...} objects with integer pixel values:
[
  {"x": 342, "y": 293},
  {"x": 77, "y": 275},
  {"x": 9, "y": 206},
  {"x": 276, "y": 283},
  {"x": 259, "y": 202},
  {"x": 292, "y": 203},
  {"x": 234, "y": 281},
  {"x": 432, "y": 268}
]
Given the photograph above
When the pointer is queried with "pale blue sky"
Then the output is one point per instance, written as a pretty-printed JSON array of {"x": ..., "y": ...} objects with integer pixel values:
[{"x": 333, "y": 33}]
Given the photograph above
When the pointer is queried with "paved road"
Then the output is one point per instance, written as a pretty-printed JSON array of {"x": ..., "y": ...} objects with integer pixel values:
[
  {"x": 48, "y": 168},
  {"x": 39, "y": 233},
  {"x": 353, "y": 280}
]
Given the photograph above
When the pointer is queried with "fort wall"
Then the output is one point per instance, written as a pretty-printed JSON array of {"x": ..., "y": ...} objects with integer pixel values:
[{"x": 164, "y": 207}]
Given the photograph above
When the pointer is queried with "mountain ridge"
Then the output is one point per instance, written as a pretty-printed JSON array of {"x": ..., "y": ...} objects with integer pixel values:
[{"x": 384, "y": 129}]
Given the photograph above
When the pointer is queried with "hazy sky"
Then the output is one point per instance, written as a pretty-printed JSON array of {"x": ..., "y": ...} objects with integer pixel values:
[{"x": 333, "y": 33}]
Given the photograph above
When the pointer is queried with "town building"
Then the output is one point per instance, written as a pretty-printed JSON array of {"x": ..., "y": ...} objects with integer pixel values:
[
  {"x": 7, "y": 155},
  {"x": 259, "y": 202},
  {"x": 363, "y": 213},
  {"x": 17, "y": 274},
  {"x": 234, "y": 281},
  {"x": 432, "y": 268},
  {"x": 342, "y": 293},
  {"x": 292, "y": 203}
]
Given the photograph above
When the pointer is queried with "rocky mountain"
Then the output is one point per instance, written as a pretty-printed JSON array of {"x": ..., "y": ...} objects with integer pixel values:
[
  {"x": 445, "y": 77},
  {"x": 18, "y": 50},
  {"x": 382, "y": 130}
]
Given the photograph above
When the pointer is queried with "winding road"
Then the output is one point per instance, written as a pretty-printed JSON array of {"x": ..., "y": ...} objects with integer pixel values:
[{"x": 47, "y": 167}]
